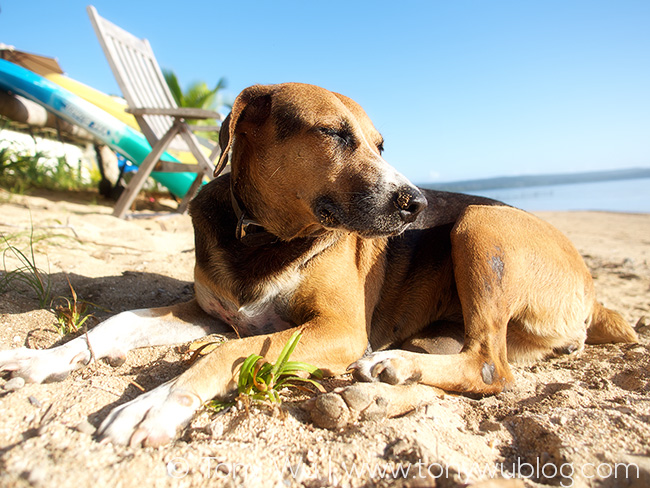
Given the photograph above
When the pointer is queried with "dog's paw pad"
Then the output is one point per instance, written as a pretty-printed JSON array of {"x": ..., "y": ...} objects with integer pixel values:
[
  {"x": 386, "y": 366},
  {"x": 329, "y": 411},
  {"x": 143, "y": 437},
  {"x": 344, "y": 406},
  {"x": 116, "y": 360},
  {"x": 389, "y": 373}
]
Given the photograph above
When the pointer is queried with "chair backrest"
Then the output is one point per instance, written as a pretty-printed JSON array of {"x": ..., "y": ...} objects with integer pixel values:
[{"x": 137, "y": 73}]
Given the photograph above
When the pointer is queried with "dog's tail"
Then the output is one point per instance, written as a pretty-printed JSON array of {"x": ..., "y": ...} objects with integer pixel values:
[{"x": 608, "y": 326}]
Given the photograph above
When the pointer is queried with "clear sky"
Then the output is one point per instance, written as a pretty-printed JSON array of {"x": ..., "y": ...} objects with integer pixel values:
[{"x": 460, "y": 89}]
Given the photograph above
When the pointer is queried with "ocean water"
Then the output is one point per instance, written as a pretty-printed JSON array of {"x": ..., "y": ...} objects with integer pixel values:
[{"x": 613, "y": 196}]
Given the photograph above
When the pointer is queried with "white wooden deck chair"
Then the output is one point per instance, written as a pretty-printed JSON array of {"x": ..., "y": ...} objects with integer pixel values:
[{"x": 149, "y": 99}]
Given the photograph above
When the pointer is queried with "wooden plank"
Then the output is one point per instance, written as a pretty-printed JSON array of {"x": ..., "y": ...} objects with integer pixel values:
[
  {"x": 171, "y": 167},
  {"x": 177, "y": 112},
  {"x": 205, "y": 128}
]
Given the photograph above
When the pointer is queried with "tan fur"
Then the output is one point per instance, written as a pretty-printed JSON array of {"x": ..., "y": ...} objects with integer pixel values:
[{"x": 607, "y": 326}]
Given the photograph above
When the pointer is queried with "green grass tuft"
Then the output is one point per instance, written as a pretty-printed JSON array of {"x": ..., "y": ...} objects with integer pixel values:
[
  {"x": 70, "y": 313},
  {"x": 27, "y": 273},
  {"x": 260, "y": 380},
  {"x": 22, "y": 170}
]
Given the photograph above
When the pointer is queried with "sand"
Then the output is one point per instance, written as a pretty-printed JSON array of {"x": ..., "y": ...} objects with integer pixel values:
[{"x": 570, "y": 421}]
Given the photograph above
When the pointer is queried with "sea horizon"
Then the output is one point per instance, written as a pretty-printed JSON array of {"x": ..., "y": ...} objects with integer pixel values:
[{"x": 629, "y": 196}]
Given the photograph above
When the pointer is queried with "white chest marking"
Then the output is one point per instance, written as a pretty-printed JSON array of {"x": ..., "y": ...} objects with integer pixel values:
[
  {"x": 267, "y": 314},
  {"x": 262, "y": 316}
]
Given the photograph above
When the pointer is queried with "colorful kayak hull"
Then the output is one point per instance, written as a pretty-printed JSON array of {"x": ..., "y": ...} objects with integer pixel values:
[
  {"x": 113, "y": 107},
  {"x": 108, "y": 129}
]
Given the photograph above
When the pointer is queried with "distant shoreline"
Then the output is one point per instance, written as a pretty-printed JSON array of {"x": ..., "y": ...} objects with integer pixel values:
[{"x": 539, "y": 180}]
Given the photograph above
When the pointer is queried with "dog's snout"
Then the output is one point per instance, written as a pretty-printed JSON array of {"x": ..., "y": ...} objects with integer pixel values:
[{"x": 410, "y": 202}]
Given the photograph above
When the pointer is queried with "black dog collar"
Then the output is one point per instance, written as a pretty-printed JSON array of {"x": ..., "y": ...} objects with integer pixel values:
[{"x": 249, "y": 232}]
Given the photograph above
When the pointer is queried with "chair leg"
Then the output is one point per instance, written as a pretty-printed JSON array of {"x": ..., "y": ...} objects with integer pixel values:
[
  {"x": 192, "y": 142},
  {"x": 216, "y": 152},
  {"x": 137, "y": 182},
  {"x": 182, "y": 207}
]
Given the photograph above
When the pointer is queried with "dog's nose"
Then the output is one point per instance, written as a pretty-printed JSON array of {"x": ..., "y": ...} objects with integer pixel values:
[{"x": 410, "y": 202}]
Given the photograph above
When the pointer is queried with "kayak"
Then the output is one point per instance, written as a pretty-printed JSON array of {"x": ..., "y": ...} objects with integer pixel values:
[
  {"x": 116, "y": 107},
  {"x": 102, "y": 125},
  {"x": 108, "y": 104}
]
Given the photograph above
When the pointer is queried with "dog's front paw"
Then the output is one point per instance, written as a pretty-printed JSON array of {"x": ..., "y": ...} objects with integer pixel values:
[
  {"x": 393, "y": 367},
  {"x": 40, "y": 366},
  {"x": 368, "y": 401},
  {"x": 152, "y": 419},
  {"x": 347, "y": 405}
]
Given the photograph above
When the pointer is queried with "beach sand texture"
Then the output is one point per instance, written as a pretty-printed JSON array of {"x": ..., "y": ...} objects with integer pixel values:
[{"x": 570, "y": 421}]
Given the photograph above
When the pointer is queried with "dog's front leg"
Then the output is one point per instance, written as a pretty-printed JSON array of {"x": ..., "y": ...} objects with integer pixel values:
[
  {"x": 111, "y": 339},
  {"x": 155, "y": 418},
  {"x": 468, "y": 371}
]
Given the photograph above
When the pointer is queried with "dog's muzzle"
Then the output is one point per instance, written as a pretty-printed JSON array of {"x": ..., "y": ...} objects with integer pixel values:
[
  {"x": 409, "y": 203},
  {"x": 372, "y": 213}
]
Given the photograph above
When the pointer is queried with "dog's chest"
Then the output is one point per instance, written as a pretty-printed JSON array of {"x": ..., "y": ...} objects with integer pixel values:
[{"x": 264, "y": 315}]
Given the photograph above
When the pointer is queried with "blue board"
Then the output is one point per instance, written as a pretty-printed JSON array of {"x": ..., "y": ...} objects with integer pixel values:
[{"x": 71, "y": 108}]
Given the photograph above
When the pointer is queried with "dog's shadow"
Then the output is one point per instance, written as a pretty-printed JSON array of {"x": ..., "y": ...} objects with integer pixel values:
[
  {"x": 104, "y": 297},
  {"x": 100, "y": 298}
]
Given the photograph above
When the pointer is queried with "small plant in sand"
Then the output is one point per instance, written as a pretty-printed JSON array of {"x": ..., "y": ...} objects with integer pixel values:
[
  {"x": 260, "y": 380},
  {"x": 72, "y": 313},
  {"x": 26, "y": 273}
]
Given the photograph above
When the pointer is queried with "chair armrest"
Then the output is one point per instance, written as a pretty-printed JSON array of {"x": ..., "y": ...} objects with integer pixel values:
[
  {"x": 179, "y": 112},
  {"x": 205, "y": 128}
]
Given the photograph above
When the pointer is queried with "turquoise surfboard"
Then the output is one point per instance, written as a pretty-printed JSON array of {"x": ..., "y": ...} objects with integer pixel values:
[{"x": 71, "y": 108}]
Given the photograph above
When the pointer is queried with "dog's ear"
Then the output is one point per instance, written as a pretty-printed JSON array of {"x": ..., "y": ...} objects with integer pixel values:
[{"x": 252, "y": 107}]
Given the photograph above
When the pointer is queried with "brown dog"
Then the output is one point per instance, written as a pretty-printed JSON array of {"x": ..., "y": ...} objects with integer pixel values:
[{"x": 313, "y": 229}]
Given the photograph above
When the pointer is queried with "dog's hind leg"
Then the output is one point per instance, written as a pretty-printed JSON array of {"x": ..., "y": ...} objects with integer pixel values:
[
  {"x": 111, "y": 339},
  {"x": 525, "y": 293},
  {"x": 484, "y": 281},
  {"x": 480, "y": 367}
]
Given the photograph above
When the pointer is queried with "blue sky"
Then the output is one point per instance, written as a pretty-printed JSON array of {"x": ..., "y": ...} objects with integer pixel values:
[{"x": 460, "y": 89}]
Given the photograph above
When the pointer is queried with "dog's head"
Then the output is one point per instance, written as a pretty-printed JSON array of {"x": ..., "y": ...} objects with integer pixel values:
[{"x": 305, "y": 159}]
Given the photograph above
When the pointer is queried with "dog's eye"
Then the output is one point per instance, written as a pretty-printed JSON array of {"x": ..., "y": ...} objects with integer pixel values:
[
  {"x": 380, "y": 147},
  {"x": 342, "y": 136}
]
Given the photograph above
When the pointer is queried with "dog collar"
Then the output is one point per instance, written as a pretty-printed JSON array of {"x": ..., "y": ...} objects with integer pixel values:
[{"x": 249, "y": 232}]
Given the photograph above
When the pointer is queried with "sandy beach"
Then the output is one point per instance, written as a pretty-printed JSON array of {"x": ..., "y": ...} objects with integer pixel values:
[{"x": 570, "y": 421}]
